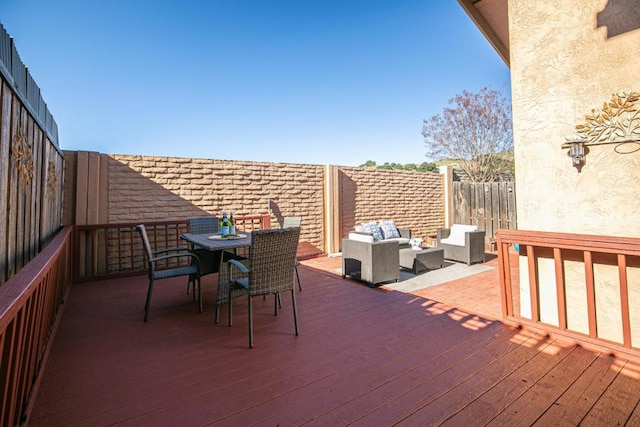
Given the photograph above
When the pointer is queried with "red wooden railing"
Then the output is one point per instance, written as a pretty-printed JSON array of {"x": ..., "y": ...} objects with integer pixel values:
[
  {"x": 30, "y": 307},
  {"x": 110, "y": 250},
  {"x": 584, "y": 251},
  {"x": 31, "y": 301}
]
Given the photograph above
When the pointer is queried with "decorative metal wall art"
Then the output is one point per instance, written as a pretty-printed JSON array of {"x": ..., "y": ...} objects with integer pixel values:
[
  {"x": 618, "y": 122},
  {"x": 23, "y": 156},
  {"x": 52, "y": 179}
]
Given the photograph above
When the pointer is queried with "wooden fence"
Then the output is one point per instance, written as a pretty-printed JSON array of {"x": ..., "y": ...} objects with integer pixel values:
[
  {"x": 489, "y": 205},
  {"x": 17, "y": 74},
  {"x": 31, "y": 166}
]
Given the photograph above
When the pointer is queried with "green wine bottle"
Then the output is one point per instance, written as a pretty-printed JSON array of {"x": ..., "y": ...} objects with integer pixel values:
[
  {"x": 224, "y": 227},
  {"x": 232, "y": 225}
]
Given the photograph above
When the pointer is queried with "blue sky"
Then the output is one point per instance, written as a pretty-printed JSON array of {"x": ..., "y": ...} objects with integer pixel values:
[{"x": 301, "y": 81}]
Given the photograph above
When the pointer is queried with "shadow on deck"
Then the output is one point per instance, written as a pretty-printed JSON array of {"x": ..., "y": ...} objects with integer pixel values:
[{"x": 364, "y": 356}]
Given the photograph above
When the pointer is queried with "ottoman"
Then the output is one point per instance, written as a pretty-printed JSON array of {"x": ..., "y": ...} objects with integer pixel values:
[{"x": 422, "y": 260}]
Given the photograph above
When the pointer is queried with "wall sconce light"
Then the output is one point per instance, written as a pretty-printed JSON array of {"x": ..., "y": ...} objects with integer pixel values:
[{"x": 577, "y": 153}]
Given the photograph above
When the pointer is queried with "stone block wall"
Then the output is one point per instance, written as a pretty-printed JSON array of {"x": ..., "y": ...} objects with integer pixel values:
[
  {"x": 131, "y": 188},
  {"x": 413, "y": 200},
  {"x": 164, "y": 188}
]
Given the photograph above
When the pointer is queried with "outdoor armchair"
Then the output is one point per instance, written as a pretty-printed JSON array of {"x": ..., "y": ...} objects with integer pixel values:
[
  {"x": 269, "y": 271},
  {"x": 165, "y": 257},
  {"x": 463, "y": 243},
  {"x": 209, "y": 261},
  {"x": 371, "y": 262}
]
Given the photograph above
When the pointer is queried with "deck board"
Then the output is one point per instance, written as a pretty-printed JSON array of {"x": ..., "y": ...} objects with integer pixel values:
[
  {"x": 527, "y": 408},
  {"x": 575, "y": 402},
  {"x": 498, "y": 361},
  {"x": 618, "y": 401},
  {"x": 499, "y": 397},
  {"x": 364, "y": 356}
]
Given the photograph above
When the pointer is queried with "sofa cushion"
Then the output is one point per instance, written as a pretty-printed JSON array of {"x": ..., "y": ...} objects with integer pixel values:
[
  {"x": 457, "y": 234},
  {"x": 361, "y": 237},
  {"x": 401, "y": 240},
  {"x": 389, "y": 230},
  {"x": 374, "y": 229}
]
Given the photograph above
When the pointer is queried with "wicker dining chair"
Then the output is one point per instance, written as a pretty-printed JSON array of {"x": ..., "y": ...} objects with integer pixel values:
[
  {"x": 293, "y": 221},
  {"x": 162, "y": 256},
  {"x": 270, "y": 270},
  {"x": 209, "y": 260}
]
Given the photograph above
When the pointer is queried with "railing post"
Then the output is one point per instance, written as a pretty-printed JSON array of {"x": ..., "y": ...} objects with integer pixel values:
[{"x": 266, "y": 221}]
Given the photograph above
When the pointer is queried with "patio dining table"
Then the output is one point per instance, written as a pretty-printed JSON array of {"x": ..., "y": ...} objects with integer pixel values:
[{"x": 215, "y": 242}]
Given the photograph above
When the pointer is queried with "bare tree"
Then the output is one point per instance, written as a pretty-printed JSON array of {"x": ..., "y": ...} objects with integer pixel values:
[{"x": 475, "y": 131}]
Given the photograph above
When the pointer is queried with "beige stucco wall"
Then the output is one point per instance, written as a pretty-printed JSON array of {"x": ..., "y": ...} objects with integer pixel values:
[{"x": 562, "y": 67}]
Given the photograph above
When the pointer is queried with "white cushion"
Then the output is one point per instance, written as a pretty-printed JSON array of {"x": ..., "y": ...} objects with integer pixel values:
[
  {"x": 367, "y": 238},
  {"x": 374, "y": 229},
  {"x": 457, "y": 234},
  {"x": 400, "y": 240},
  {"x": 389, "y": 230}
]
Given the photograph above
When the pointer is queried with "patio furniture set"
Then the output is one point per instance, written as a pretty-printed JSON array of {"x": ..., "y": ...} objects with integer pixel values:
[
  {"x": 373, "y": 253},
  {"x": 269, "y": 269},
  {"x": 376, "y": 251}
]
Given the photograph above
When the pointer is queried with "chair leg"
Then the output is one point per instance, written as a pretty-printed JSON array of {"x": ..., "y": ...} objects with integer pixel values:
[
  {"x": 199, "y": 280},
  {"x": 216, "y": 318},
  {"x": 230, "y": 314},
  {"x": 148, "y": 302},
  {"x": 298, "y": 277},
  {"x": 295, "y": 310},
  {"x": 277, "y": 303},
  {"x": 250, "y": 309}
]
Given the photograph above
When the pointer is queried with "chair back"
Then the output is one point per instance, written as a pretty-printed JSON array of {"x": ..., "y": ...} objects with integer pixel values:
[
  {"x": 204, "y": 225},
  {"x": 145, "y": 241},
  {"x": 272, "y": 260},
  {"x": 291, "y": 221}
]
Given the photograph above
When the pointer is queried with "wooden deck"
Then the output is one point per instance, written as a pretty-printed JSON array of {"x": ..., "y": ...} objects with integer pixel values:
[{"x": 370, "y": 357}]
